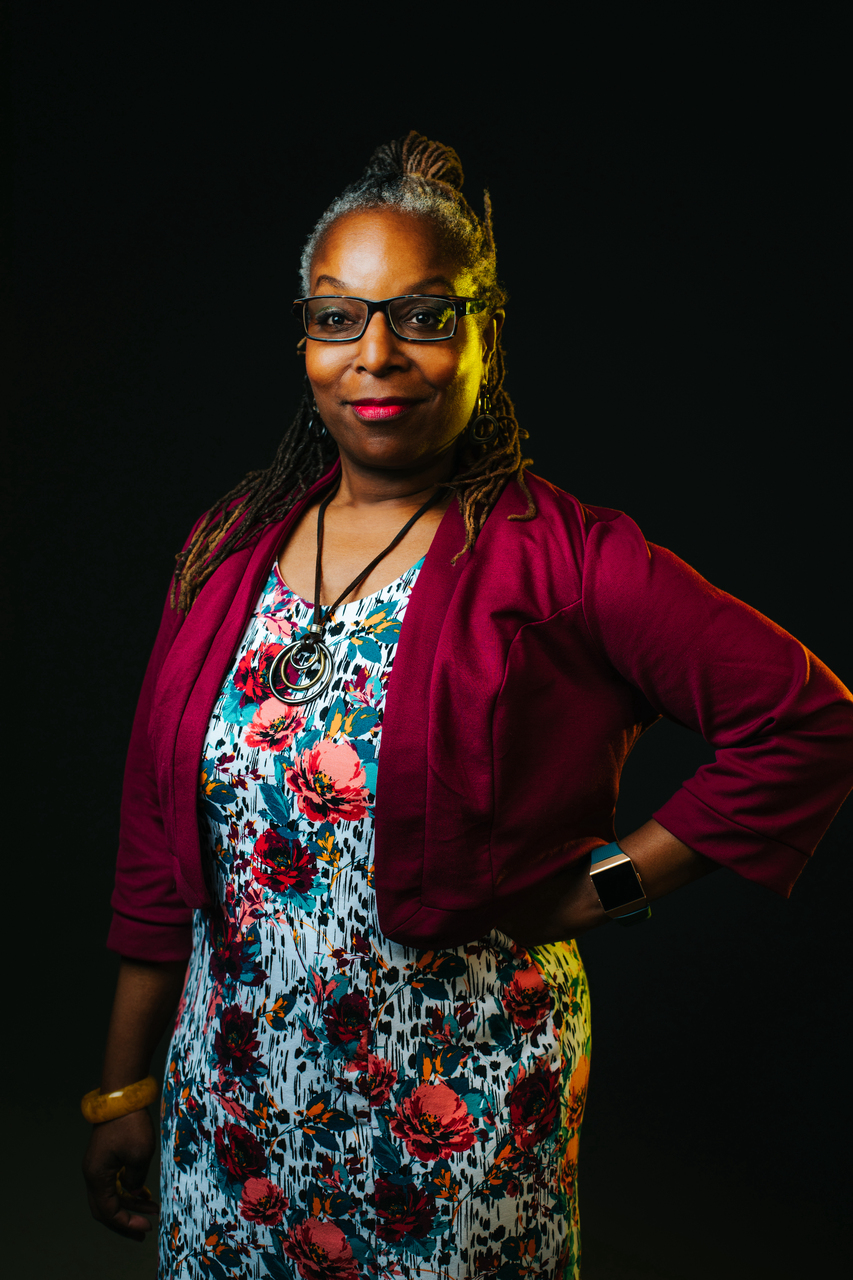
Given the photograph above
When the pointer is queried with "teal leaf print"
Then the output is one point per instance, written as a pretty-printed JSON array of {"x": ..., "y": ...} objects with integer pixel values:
[
  {"x": 320, "y": 1121},
  {"x": 442, "y": 1061},
  {"x": 302, "y": 743},
  {"x": 365, "y": 648},
  {"x": 277, "y": 810},
  {"x": 443, "y": 1183},
  {"x": 362, "y": 721},
  {"x": 388, "y": 1157},
  {"x": 277, "y": 1016},
  {"x": 215, "y": 795},
  {"x": 361, "y": 1250},
  {"x": 274, "y": 1267},
  {"x": 500, "y": 1029},
  {"x": 232, "y": 712},
  {"x": 335, "y": 717},
  {"x": 430, "y": 973},
  {"x": 352, "y": 724},
  {"x": 389, "y": 632}
]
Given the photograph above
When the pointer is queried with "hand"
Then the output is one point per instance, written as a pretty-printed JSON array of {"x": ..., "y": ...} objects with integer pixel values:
[
  {"x": 124, "y": 1146},
  {"x": 567, "y": 904},
  {"x": 561, "y": 907}
]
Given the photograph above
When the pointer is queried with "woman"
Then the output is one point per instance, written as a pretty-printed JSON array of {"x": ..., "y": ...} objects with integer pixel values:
[{"x": 382, "y": 1046}]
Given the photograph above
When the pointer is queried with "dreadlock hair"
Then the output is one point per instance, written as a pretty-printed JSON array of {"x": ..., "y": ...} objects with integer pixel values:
[{"x": 423, "y": 178}]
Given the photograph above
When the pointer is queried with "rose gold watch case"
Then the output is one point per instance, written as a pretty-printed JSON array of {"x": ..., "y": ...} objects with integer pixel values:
[{"x": 626, "y": 908}]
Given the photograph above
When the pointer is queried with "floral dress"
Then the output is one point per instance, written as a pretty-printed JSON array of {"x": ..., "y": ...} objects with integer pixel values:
[{"x": 337, "y": 1105}]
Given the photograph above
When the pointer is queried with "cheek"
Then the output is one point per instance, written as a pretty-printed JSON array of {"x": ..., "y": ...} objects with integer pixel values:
[
  {"x": 323, "y": 365},
  {"x": 464, "y": 381}
]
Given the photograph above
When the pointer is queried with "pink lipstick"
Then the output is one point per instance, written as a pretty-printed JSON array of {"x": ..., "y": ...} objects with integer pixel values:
[{"x": 372, "y": 410}]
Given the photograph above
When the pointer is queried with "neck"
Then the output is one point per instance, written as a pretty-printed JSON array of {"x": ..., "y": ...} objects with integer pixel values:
[{"x": 363, "y": 486}]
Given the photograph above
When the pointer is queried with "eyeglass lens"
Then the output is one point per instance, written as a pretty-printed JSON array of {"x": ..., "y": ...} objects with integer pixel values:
[{"x": 342, "y": 319}]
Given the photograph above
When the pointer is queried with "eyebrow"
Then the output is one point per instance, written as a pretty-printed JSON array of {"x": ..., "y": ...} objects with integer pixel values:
[{"x": 417, "y": 288}]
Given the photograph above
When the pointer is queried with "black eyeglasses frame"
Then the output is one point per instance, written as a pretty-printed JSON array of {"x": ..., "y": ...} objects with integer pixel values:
[{"x": 461, "y": 307}]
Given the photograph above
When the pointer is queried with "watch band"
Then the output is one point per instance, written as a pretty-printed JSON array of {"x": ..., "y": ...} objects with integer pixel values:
[{"x": 618, "y": 885}]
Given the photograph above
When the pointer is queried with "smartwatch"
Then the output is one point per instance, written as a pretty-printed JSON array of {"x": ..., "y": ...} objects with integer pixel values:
[{"x": 618, "y": 885}]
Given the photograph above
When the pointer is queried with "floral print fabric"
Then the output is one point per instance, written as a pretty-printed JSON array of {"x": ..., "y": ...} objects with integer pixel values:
[{"x": 337, "y": 1105}]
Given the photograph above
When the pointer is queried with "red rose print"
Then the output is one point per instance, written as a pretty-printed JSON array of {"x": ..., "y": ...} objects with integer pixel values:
[
  {"x": 402, "y": 1211},
  {"x": 274, "y": 726},
  {"x": 231, "y": 958},
  {"x": 377, "y": 1081},
  {"x": 239, "y": 1152},
  {"x": 251, "y": 675},
  {"x": 434, "y": 1123},
  {"x": 534, "y": 1105},
  {"x": 329, "y": 782},
  {"x": 282, "y": 864},
  {"x": 262, "y": 1201},
  {"x": 235, "y": 1043},
  {"x": 527, "y": 1000},
  {"x": 348, "y": 1022},
  {"x": 320, "y": 1250}
]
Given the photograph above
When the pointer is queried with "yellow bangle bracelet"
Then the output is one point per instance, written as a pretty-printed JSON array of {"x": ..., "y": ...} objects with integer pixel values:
[{"x": 98, "y": 1107}]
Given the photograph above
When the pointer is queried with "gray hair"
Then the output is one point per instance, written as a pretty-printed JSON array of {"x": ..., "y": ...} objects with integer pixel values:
[{"x": 424, "y": 179}]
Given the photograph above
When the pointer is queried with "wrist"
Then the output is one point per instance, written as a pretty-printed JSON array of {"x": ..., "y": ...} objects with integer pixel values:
[
  {"x": 98, "y": 1106},
  {"x": 618, "y": 885}
]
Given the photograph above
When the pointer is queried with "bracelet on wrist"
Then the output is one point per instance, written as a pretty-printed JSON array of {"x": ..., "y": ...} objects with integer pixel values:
[
  {"x": 618, "y": 885},
  {"x": 98, "y": 1107}
]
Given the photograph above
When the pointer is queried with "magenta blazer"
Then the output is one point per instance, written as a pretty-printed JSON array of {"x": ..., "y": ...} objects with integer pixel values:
[{"x": 523, "y": 677}]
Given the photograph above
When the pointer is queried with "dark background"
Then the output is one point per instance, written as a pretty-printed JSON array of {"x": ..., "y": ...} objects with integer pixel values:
[{"x": 669, "y": 228}]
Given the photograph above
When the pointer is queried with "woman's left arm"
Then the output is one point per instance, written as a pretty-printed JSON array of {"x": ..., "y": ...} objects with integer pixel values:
[
  {"x": 568, "y": 905},
  {"x": 780, "y": 723}
]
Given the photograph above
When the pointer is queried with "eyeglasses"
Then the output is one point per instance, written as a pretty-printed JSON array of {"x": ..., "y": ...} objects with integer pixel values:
[{"x": 414, "y": 317}]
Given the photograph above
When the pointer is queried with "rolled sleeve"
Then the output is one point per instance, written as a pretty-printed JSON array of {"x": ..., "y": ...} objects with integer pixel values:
[
  {"x": 150, "y": 919},
  {"x": 780, "y": 722}
]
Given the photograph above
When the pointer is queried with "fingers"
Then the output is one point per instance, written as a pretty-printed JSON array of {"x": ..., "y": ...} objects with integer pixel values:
[
  {"x": 115, "y": 1168},
  {"x": 138, "y": 1201},
  {"x": 131, "y": 1189},
  {"x": 121, "y": 1213}
]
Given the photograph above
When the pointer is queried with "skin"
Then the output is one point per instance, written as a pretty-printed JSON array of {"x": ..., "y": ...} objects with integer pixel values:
[{"x": 388, "y": 469}]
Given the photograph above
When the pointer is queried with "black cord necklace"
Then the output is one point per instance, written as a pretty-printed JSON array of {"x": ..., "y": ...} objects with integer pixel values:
[{"x": 304, "y": 669}]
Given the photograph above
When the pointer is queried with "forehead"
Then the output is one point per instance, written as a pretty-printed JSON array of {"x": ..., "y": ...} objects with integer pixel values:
[{"x": 378, "y": 253}]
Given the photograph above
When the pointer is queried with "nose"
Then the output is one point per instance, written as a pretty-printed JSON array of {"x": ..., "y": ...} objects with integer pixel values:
[{"x": 379, "y": 348}]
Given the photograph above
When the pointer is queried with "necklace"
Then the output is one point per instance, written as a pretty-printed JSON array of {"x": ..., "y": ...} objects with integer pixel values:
[{"x": 305, "y": 668}]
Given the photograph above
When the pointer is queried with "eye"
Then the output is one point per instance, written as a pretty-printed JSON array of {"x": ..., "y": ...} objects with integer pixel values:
[
  {"x": 335, "y": 318},
  {"x": 330, "y": 318},
  {"x": 423, "y": 315}
]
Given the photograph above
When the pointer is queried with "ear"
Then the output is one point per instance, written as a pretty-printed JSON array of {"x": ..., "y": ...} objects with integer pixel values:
[{"x": 491, "y": 329}]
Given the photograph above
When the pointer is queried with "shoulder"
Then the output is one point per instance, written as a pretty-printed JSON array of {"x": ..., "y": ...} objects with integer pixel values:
[{"x": 562, "y": 515}]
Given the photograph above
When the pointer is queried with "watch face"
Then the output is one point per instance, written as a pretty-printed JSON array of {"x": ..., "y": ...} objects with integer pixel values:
[{"x": 617, "y": 885}]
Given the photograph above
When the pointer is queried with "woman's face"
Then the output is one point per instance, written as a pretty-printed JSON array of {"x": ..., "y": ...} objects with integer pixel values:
[{"x": 429, "y": 390}]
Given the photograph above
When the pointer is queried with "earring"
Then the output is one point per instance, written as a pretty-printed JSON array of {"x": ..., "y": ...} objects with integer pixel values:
[
  {"x": 316, "y": 425},
  {"x": 485, "y": 427}
]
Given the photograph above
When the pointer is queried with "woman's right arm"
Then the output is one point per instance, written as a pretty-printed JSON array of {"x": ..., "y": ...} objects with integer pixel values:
[{"x": 146, "y": 999}]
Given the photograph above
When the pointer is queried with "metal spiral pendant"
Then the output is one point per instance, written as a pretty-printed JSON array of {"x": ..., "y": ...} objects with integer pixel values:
[{"x": 310, "y": 659}]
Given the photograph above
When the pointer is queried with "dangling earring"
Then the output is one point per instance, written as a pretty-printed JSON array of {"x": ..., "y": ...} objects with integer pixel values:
[
  {"x": 485, "y": 426},
  {"x": 316, "y": 425}
]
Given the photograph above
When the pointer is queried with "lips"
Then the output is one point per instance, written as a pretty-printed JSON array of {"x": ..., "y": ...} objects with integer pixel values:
[{"x": 390, "y": 407}]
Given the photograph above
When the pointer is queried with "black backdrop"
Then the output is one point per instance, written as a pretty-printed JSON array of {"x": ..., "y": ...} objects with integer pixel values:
[{"x": 670, "y": 245}]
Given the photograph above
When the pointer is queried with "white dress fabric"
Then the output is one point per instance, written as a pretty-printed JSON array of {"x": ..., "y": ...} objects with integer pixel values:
[{"x": 337, "y": 1105}]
